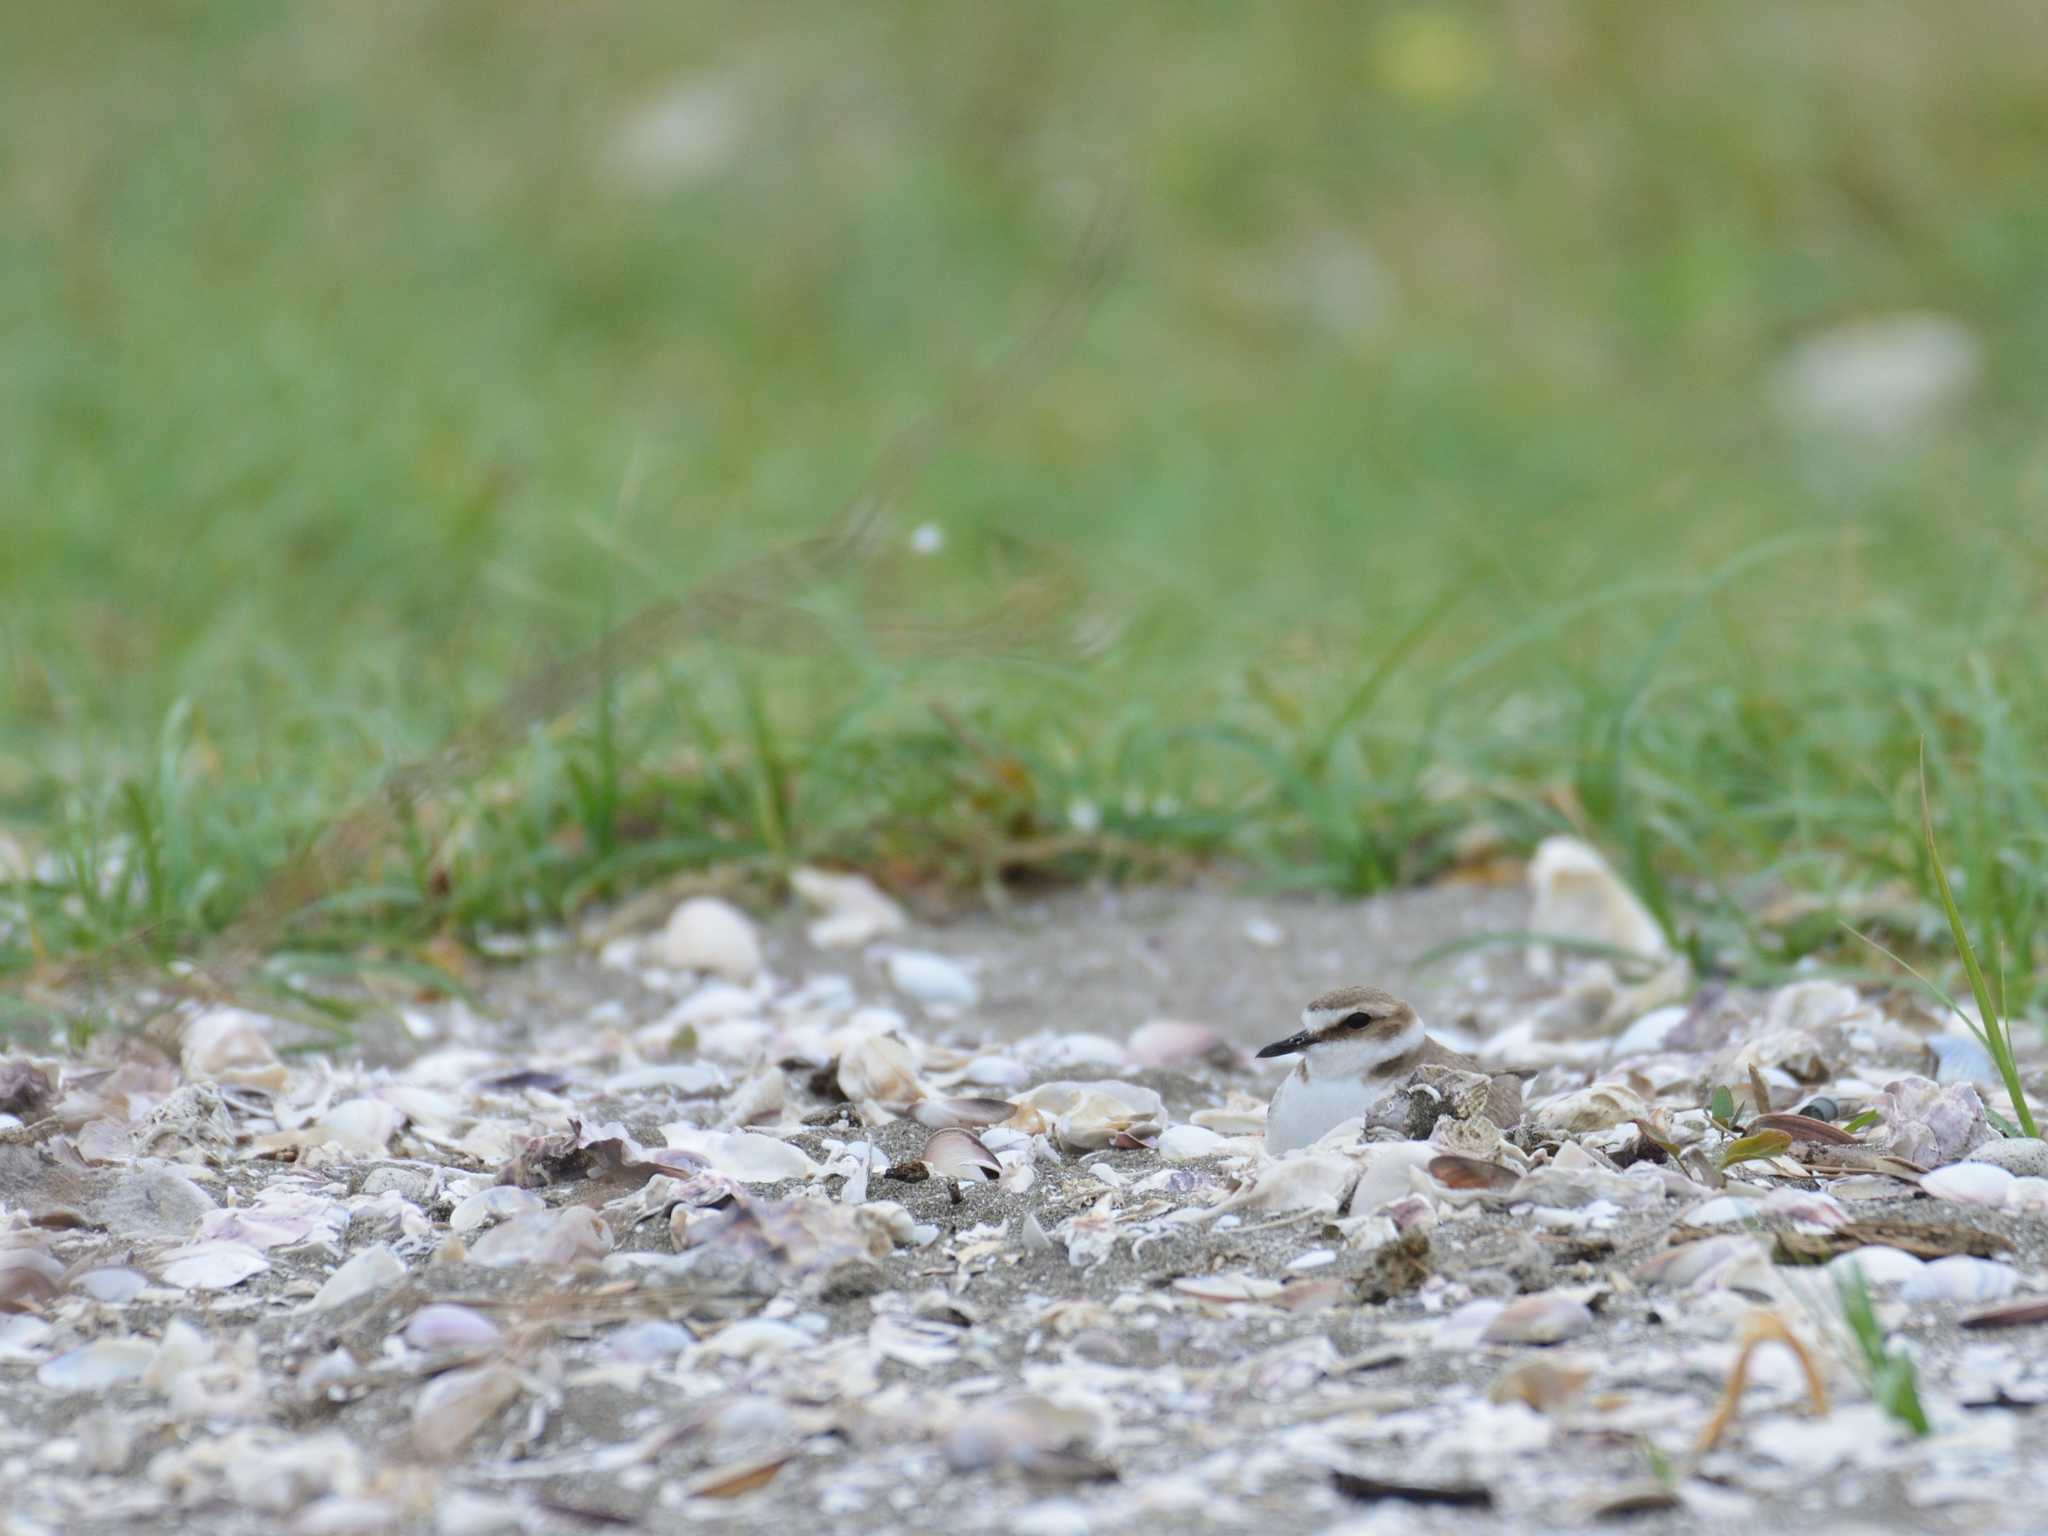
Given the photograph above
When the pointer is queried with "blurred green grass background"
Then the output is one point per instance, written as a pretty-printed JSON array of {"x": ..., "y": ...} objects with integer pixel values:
[{"x": 1424, "y": 465}]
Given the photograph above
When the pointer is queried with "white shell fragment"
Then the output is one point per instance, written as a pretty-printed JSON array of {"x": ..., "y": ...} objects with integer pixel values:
[
  {"x": 958, "y": 1154},
  {"x": 374, "y": 1269},
  {"x": 1542, "y": 1319},
  {"x": 853, "y": 911},
  {"x": 1578, "y": 897},
  {"x": 1970, "y": 1184},
  {"x": 97, "y": 1366},
  {"x": 940, "y": 985},
  {"x": 453, "y": 1407},
  {"x": 212, "y": 1266},
  {"x": 711, "y": 936}
]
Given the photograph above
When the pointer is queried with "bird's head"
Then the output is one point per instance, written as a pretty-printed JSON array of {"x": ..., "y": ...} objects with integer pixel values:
[{"x": 1360, "y": 1025}]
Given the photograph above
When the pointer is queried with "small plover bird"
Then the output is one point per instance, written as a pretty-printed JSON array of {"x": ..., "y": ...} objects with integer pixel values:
[{"x": 1356, "y": 1044}]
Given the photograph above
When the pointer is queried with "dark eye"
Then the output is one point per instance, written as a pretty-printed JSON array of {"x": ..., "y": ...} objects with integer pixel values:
[{"x": 1358, "y": 1021}]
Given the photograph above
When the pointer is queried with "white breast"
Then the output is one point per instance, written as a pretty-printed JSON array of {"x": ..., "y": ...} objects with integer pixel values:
[{"x": 1304, "y": 1108}]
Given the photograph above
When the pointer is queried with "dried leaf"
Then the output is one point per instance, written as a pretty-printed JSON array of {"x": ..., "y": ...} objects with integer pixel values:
[{"x": 1764, "y": 1144}]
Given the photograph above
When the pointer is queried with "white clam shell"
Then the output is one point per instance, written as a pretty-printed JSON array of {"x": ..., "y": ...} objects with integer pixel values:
[
  {"x": 451, "y": 1408},
  {"x": 211, "y": 1266},
  {"x": 1961, "y": 1278},
  {"x": 708, "y": 935},
  {"x": 958, "y": 1154},
  {"x": 1879, "y": 1265},
  {"x": 1547, "y": 1318},
  {"x": 1180, "y": 1142},
  {"x": 500, "y": 1202},
  {"x": 374, "y": 1269},
  {"x": 747, "y": 1156},
  {"x": 940, "y": 1113},
  {"x": 545, "y": 1239},
  {"x": 97, "y": 1366},
  {"x": 361, "y": 1126},
  {"x": 1579, "y": 897},
  {"x": 853, "y": 911},
  {"x": 938, "y": 983},
  {"x": 449, "y": 1325},
  {"x": 1970, "y": 1184}
]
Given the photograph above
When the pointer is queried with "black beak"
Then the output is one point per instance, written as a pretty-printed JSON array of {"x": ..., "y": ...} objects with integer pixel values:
[{"x": 1290, "y": 1045}]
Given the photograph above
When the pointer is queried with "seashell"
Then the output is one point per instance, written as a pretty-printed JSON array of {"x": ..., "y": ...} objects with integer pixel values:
[
  {"x": 374, "y": 1269},
  {"x": 1578, "y": 897},
  {"x": 115, "y": 1287},
  {"x": 448, "y": 1325},
  {"x": 1170, "y": 1042},
  {"x": 940, "y": 985},
  {"x": 853, "y": 910},
  {"x": 707, "y": 935},
  {"x": 22, "y": 1337},
  {"x": 2023, "y": 1155},
  {"x": 1086, "y": 1117},
  {"x": 684, "y": 1079},
  {"x": 184, "y": 1349},
  {"x": 361, "y": 1126},
  {"x": 1597, "y": 1108},
  {"x": 747, "y": 1156},
  {"x": 25, "y": 1088},
  {"x": 215, "y": 1266},
  {"x": 941, "y": 1113},
  {"x": 28, "y": 1276},
  {"x": 756, "y": 1338},
  {"x": 1542, "y": 1382},
  {"x": 1961, "y": 1278},
  {"x": 1239, "y": 1115},
  {"x": 546, "y": 1239},
  {"x": 648, "y": 1342},
  {"x": 1545, "y": 1318},
  {"x": 1983, "y": 1184},
  {"x": 880, "y": 1069},
  {"x": 1470, "y": 1173},
  {"x": 729, "y": 1482},
  {"x": 97, "y": 1366},
  {"x": 958, "y": 1154},
  {"x": 996, "y": 1072},
  {"x": 1878, "y": 1264},
  {"x": 499, "y": 1202},
  {"x": 231, "y": 1045},
  {"x": 1649, "y": 1033},
  {"x": 1025, "y": 1431},
  {"x": 2028, "y": 1194},
  {"x": 1181, "y": 1143},
  {"x": 1228, "y": 1288},
  {"x": 1961, "y": 1059},
  {"x": 452, "y": 1407},
  {"x": 1696, "y": 1264}
]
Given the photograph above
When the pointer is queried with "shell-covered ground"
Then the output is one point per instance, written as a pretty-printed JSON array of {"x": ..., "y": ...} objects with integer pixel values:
[{"x": 837, "y": 1222}]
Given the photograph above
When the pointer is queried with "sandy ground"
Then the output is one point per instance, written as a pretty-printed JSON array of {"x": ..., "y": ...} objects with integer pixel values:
[{"x": 1153, "y": 1394}]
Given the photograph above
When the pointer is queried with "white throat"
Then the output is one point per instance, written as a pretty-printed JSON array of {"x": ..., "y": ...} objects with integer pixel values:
[{"x": 1354, "y": 1057}]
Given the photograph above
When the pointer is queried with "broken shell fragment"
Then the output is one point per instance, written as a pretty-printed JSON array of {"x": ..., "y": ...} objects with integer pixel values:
[
  {"x": 1546, "y": 1318},
  {"x": 962, "y": 1112},
  {"x": 453, "y": 1407},
  {"x": 939, "y": 984},
  {"x": 1983, "y": 1184},
  {"x": 373, "y": 1269},
  {"x": 958, "y": 1154},
  {"x": 212, "y": 1266},
  {"x": 853, "y": 910}
]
